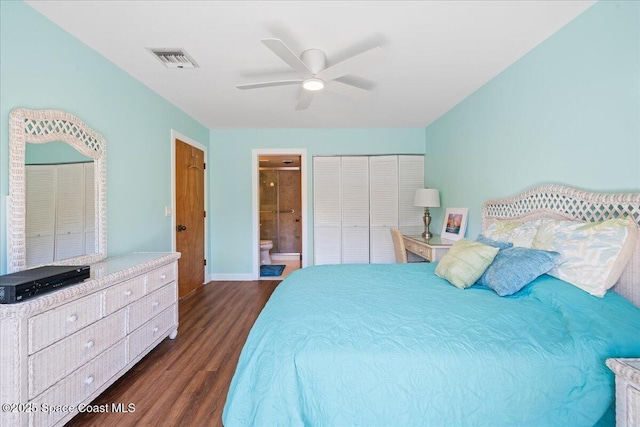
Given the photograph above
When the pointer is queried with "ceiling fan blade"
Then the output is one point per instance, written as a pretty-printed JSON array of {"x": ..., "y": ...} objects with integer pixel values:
[
  {"x": 269, "y": 84},
  {"x": 346, "y": 89},
  {"x": 304, "y": 100},
  {"x": 278, "y": 47},
  {"x": 347, "y": 66}
]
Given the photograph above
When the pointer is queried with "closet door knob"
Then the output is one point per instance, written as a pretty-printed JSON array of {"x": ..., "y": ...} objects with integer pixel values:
[{"x": 181, "y": 228}]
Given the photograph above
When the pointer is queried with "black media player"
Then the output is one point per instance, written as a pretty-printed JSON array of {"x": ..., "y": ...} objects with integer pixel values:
[{"x": 23, "y": 285}]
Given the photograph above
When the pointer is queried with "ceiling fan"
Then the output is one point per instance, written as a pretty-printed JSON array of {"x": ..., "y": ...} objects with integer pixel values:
[{"x": 314, "y": 73}]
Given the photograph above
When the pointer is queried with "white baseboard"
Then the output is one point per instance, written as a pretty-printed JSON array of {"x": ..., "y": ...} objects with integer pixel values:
[{"x": 241, "y": 277}]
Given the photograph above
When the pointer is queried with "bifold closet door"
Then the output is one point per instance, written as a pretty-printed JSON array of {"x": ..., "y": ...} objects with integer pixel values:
[
  {"x": 410, "y": 178},
  {"x": 357, "y": 200},
  {"x": 355, "y": 210},
  {"x": 327, "y": 211},
  {"x": 89, "y": 209},
  {"x": 60, "y": 221},
  {"x": 40, "y": 221},
  {"x": 70, "y": 211},
  {"x": 383, "y": 207}
]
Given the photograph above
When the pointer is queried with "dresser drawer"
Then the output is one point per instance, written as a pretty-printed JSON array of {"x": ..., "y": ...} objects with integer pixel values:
[
  {"x": 79, "y": 385},
  {"x": 633, "y": 405},
  {"x": 160, "y": 277},
  {"x": 143, "y": 337},
  {"x": 48, "y": 366},
  {"x": 122, "y": 295},
  {"x": 51, "y": 326},
  {"x": 151, "y": 305}
]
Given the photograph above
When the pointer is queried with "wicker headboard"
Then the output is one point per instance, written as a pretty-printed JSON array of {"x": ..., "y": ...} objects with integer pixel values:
[{"x": 556, "y": 201}]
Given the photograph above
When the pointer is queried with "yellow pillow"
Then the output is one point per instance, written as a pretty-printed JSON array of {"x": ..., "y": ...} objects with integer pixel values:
[{"x": 465, "y": 262}]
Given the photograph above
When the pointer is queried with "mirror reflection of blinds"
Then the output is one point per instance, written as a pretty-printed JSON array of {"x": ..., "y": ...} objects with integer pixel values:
[
  {"x": 60, "y": 220},
  {"x": 89, "y": 209},
  {"x": 70, "y": 212},
  {"x": 40, "y": 219}
]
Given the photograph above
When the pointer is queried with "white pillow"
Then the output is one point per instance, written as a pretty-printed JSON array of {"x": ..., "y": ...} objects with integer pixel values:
[
  {"x": 593, "y": 255},
  {"x": 521, "y": 234}
]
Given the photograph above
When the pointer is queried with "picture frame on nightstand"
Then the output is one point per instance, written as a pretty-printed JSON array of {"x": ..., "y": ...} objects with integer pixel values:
[{"x": 455, "y": 223}]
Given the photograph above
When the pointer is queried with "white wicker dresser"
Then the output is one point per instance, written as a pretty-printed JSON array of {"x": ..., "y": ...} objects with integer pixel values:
[
  {"x": 61, "y": 350},
  {"x": 627, "y": 391}
]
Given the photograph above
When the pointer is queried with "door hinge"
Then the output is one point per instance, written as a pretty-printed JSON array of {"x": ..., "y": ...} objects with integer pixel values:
[
  {"x": 205, "y": 262},
  {"x": 205, "y": 214},
  {"x": 204, "y": 166}
]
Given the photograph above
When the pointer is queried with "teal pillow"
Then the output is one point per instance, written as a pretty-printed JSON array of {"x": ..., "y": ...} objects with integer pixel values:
[
  {"x": 495, "y": 243},
  {"x": 514, "y": 268}
]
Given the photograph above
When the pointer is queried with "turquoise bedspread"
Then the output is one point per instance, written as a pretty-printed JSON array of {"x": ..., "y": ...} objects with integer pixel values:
[{"x": 395, "y": 345}]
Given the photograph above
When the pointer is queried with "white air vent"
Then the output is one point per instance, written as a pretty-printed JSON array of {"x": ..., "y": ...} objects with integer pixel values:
[{"x": 173, "y": 57}]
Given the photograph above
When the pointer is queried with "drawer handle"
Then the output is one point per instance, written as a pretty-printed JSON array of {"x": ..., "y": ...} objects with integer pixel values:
[
  {"x": 156, "y": 329},
  {"x": 155, "y": 304},
  {"x": 72, "y": 318},
  {"x": 89, "y": 380},
  {"x": 163, "y": 276},
  {"x": 89, "y": 344},
  {"x": 128, "y": 293}
]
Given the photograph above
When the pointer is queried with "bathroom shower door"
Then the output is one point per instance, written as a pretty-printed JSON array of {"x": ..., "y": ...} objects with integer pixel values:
[
  {"x": 280, "y": 210},
  {"x": 290, "y": 224}
]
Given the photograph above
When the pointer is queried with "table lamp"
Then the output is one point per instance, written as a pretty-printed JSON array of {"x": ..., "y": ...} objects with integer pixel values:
[{"x": 427, "y": 198}]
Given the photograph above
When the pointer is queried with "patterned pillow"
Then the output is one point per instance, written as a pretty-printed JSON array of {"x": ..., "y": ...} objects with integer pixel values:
[
  {"x": 514, "y": 268},
  {"x": 465, "y": 262},
  {"x": 495, "y": 243},
  {"x": 521, "y": 234},
  {"x": 593, "y": 255}
]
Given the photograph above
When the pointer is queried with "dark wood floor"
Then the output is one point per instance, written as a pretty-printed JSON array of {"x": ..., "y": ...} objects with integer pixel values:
[{"x": 184, "y": 382}]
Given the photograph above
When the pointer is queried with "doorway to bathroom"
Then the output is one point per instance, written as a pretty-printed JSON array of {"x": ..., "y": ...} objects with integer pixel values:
[{"x": 280, "y": 214}]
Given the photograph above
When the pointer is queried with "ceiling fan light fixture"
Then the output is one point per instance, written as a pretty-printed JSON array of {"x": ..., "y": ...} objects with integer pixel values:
[{"x": 313, "y": 84}]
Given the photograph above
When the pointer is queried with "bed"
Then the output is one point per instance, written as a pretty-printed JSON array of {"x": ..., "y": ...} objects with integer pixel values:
[{"x": 386, "y": 345}]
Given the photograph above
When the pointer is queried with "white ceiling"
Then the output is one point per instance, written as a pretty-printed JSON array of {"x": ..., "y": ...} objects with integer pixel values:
[{"x": 436, "y": 52}]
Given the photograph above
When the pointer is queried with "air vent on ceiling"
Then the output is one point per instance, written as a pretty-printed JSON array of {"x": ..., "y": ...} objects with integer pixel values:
[{"x": 173, "y": 57}]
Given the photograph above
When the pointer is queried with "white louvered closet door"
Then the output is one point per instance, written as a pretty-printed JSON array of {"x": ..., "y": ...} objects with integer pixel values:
[
  {"x": 355, "y": 210},
  {"x": 70, "y": 211},
  {"x": 89, "y": 209},
  {"x": 41, "y": 214},
  {"x": 410, "y": 178},
  {"x": 327, "y": 210},
  {"x": 383, "y": 179}
]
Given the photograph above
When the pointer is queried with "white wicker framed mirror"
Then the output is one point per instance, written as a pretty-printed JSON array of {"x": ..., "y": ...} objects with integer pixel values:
[{"x": 88, "y": 176}]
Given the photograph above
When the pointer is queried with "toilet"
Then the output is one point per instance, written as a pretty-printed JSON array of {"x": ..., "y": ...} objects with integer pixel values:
[{"x": 265, "y": 247}]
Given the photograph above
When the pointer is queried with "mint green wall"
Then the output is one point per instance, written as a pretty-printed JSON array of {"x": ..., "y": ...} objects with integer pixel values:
[
  {"x": 230, "y": 178},
  {"x": 568, "y": 112},
  {"x": 42, "y": 66},
  {"x": 53, "y": 152}
]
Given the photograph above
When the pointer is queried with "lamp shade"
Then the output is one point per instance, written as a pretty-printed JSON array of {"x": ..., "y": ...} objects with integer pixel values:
[{"x": 427, "y": 198}]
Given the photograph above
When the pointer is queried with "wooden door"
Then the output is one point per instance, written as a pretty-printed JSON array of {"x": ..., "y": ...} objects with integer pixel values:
[{"x": 190, "y": 216}]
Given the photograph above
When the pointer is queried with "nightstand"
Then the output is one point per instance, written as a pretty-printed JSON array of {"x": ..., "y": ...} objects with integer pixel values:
[
  {"x": 627, "y": 391},
  {"x": 432, "y": 249}
]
